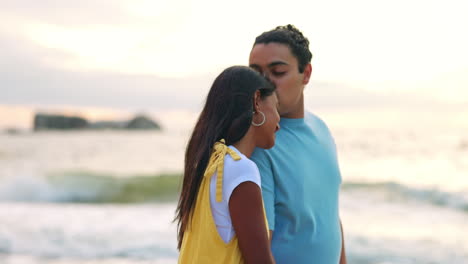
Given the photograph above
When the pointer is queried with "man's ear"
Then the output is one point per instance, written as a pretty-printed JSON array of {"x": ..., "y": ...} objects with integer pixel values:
[
  {"x": 256, "y": 102},
  {"x": 307, "y": 73}
]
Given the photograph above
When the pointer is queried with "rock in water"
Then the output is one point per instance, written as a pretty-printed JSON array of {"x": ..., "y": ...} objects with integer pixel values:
[
  {"x": 48, "y": 121},
  {"x": 142, "y": 122}
]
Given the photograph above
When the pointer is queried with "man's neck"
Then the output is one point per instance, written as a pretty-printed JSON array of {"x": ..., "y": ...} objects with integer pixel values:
[{"x": 298, "y": 112}]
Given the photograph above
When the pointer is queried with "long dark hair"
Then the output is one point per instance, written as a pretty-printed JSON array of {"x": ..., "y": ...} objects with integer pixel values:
[{"x": 227, "y": 114}]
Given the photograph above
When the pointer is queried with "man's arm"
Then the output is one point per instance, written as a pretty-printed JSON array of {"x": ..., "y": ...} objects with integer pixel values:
[{"x": 343, "y": 253}]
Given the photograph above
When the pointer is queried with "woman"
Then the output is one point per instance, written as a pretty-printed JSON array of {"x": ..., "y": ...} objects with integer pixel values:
[{"x": 220, "y": 212}]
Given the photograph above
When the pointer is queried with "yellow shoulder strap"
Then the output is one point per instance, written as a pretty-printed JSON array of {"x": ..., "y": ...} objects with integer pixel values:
[{"x": 216, "y": 163}]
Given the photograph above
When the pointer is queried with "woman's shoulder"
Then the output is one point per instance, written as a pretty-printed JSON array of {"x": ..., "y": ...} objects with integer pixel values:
[
  {"x": 242, "y": 167},
  {"x": 244, "y": 163}
]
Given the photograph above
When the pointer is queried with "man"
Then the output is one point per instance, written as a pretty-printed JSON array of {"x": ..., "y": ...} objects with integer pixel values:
[{"x": 300, "y": 174}]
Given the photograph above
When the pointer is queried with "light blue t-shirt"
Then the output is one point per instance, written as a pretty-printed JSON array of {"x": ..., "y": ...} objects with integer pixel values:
[{"x": 300, "y": 186}]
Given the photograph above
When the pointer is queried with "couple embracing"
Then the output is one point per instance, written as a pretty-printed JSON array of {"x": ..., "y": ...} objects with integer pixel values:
[{"x": 261, "y": 179}]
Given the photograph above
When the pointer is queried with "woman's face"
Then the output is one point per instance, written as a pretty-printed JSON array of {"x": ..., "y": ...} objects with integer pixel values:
[{"x": 265, "y": 134}]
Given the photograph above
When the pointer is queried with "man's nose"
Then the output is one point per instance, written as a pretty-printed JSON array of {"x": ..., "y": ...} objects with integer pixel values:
[{"x": 267, "y": 75}]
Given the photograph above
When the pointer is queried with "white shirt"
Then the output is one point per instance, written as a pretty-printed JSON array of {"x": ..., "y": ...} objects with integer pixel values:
[{"x": 235, "y": 173}]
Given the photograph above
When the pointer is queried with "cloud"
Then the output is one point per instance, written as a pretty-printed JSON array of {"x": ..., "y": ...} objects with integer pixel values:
[
  {"x": 67, "y": 13},
  {"x": 336, "y": 95},
  {"x": 33, "y": 73},
  {"x": 26, "y": 78}
]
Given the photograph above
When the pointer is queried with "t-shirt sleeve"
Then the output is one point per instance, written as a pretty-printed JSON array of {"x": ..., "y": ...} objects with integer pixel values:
[
  {"x": 326, "y": 134},
  {"x": 239, "y": 172},
  {"x": 327, "y": 137},
  {"x": 263, "y": 162}
]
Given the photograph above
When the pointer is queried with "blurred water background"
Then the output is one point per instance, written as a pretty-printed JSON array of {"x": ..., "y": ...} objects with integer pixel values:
[{"x": 110, "y": 196}]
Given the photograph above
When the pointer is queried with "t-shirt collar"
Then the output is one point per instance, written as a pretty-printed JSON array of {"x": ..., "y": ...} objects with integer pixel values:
[{"x": 291, "y": 121}]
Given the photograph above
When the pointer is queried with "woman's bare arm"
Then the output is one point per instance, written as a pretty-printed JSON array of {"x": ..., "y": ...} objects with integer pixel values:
[{"x": 248, "y": 219}]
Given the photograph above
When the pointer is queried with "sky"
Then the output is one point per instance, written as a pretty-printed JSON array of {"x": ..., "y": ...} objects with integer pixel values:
[{"x": 163, "y": 55}]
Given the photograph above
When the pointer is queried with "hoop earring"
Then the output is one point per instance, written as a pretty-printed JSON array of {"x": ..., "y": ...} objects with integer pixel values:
[{"x": 261, "y": 123}]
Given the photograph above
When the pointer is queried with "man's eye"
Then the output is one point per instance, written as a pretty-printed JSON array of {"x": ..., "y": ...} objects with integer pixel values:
[{"x": 278, "y": 73}]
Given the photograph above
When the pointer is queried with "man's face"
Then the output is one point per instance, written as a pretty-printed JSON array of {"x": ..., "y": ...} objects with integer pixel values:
[{"x": 276, "y": 61}]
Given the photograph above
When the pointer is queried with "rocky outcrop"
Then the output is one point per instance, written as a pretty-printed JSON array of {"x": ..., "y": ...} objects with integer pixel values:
[
  {"x": 142, "y": 122},
  {"x": 49, "y": 121},
  {"x": 108, "y": 125}
]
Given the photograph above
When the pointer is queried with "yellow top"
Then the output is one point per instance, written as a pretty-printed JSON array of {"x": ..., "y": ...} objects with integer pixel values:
[{"x": 202, "y": 242}]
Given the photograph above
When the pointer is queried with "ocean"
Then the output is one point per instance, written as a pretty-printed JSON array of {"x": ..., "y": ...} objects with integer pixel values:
[{"x": 110, "y": 196}]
